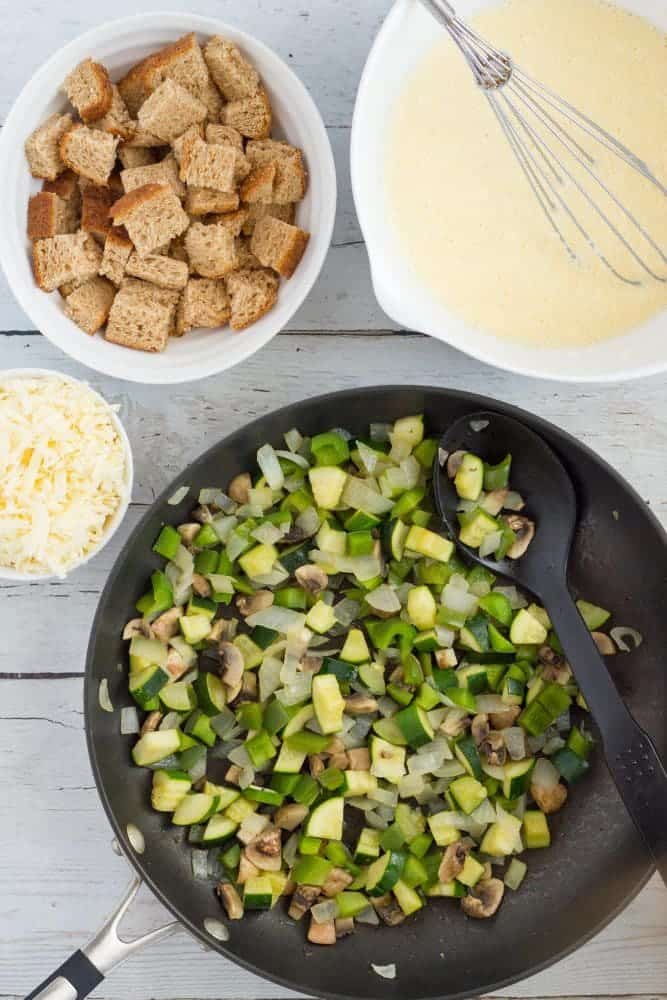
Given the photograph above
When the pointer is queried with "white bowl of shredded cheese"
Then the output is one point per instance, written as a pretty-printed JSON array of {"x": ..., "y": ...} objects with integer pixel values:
[{"x": 67, "y": 474}]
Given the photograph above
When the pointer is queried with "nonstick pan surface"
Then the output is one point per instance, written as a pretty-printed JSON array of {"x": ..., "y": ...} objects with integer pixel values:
[{"x": 596, "y": 864}]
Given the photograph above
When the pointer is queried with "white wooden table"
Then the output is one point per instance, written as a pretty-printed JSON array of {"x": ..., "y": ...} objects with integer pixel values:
[{"x": 58, "y": 875}]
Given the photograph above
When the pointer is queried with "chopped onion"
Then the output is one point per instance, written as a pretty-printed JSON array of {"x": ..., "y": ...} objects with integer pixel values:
[
  {"x": 136, "y": 838},
  {"x": 411, "y": 470},
  {"x": 129, "y": 721},
  {"x": 445, "y": 636},
  {"x": 277, "y": 576},
  {"x": 459, "y": 581},
  {"x": 236, "y": 544},
  {"x": 480, "y": 588},
  {"x": 291, "y": 849},
  {"x": 268, "y": 462},
  {"x": 224, "y": 525},
  {"x": 459, "y": 600},
  {"x": 293, "y": 483},
  {"x": 425, "y": 763},
  {"x": 308, "y": 521},
  {"x": 178, "y": 496},
  {"x": 515, "y": 741},
  {"x": 385, "y": 796},
  {"x": 293, "y": 439},
  {"x": 387, "y": 706},
  {"x": 267, "y": 533},
  {"x": 544, "y": 774},
  {"x": 442, "y": 457},
  {"x": 198, "y": 769},
  {"x": 478, "y": 425},
  {"x": 514, "y": 501},
  {"x": 290, "y": 456},
  {"x": 199, "y": 861},
  {"x": 369, "y": 457},
  {"x": 386, "y": 971},
  {"x": 535, "y": 743},
  {"x": 375, "y": 820},
  {"x": 553, "y": 744},
  {"x": 363, "y": 567},
  {"x": 380, "y": 432},
  {"x": 437, "y": 746},
  {"x": 240, "y": 757},
  {"x": 490, "y": 543},
  {"x": 410, "y": 784},
  {"x": 563, "y": 723},
  {"x": 216, "y": 929},
  {"x": 269, "y": 677},
  {"x": 621, "y": 632},
  {"x": 360, "y": 495},
  {"x": 172, "y": 720},
  {"x": 346, "y": 611},
  {"x": 223, "y": 723},
  {"x": 103, "y": 696},
  {"x": 367, "y": 916},
  {"x": 277, "y": 618},
  {"x": 450, "y": 769},
  {"x": 516, "y": 599},
  {"x": 325, "y": 911},
  {"x": 246, "y": 777},
  {"x": 484, "y": 814},
  {"x": 297, "y": 691},
  {"x": 221, "y": 584},
  {"x": 384, "y": 599}
]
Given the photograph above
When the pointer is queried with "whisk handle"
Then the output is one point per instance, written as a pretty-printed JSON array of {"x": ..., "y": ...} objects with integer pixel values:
[{"x": 441, "y": 10}]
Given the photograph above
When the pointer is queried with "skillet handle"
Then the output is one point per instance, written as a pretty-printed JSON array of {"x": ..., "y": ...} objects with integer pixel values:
[{"x": 85, "y": 969}]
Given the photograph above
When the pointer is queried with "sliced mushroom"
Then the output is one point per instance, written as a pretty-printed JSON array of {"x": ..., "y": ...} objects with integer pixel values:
[
  {"x": 337, "y": 880},
  {"x": 445, "y": 659},
  {"x": 316, "y": 764},
  {"x": 188, "y": 532},
  {"x": 231, "y": 664},
  {"x": 201, "y": 586},
  {"x": 488, "y": 870},
  {"x": 304, "y": 897},
  {"x": 336, "y": 745},
  {"x": 295, "y": 535},
  {"x": 312, "y": 578},
  {"x": 250, "y": 604},
  {"x": 340, "y": 761},
  {"x": 311, "y": 664},
  {"x": 166, "y": 626},
  {"x": 484, "y": 899},
  {"x": 455, "y": 722},
  {"x": 604, "y": 643},
  {"x": 495, "y": 501},
  {"x": 388, "y": 910},
  {"x": 239, "y": 487},
  {"x": 452, "y": 862},
  {"x": 359, "y": 759},
  {"x": 233, "y": 774},
  {"x": 506, "y": 718},
  {"x": 494, "y": 749},
  {"x": 265, "y": 851},
  {"x": 479, "y": 728},
  {"x": 218, "y": 629},
  {"x": 202, "y": 514},
  {"x": 360, "y": 704},
  {"x": 555, "y": 667},
  {"x": 324, "y": 933},
  {"x": 291, "y": 816},
  {"x": 454, "y": 463},
  {"x": 550, "y": 800},
  {"x": 176, "y": 666},
  {"x": 249, "y": 685},
  {"x": 136, "y": 627},
  {"x": 246, "y": 869},
  {"x": 151, "y": 722},
  {"x": 344, "y": 926},
  {"x": 524, "y": 529},
  {"x": 230, "y": 899}
]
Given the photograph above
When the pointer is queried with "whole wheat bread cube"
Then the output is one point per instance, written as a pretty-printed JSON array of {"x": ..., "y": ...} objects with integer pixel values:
[
  {"x": 258, "y": 211},
  {"x": 251, "y": 116},
  {"x": 142, "y": 316},
  {"x": 182, "y": 142},
  {"x": 207, "y": 166},
  {"x": 152, "y": 215},
  {"x": 118, "y": 248},
  {"x": 224, "y": 135},
  {"x": 202, "y": 201},
  {"x": 66, "y": 186},
  {"x": 164, "y": 172},
  {"x": 135, "y": 156},
  {"x": 183, "y": 62},
  {"x": 117, "y": 120},
  {"x": 177, "y": 251},
  {"x": 134, "y": 87},
  {"x": 232, "y": 221},
  {"x": 60, "y": 259},
  {"x": 252, "y": 294},
  {"x": 50, "y": 215},
  {"x": 42, "y": 147},
  {"x": 159, "y": 270},
  {"x": 143, "y": 139},
  {"x": 88, "y": 305},
  {"x": 170, "y": 110},
  {"x": 89, "y": 90},
  {"x": 89, "y": 153},
  {"x": 234, "y": 75},
  {"x": 258, "y": 186},
  {"x": 278, "y": 245},
  {"x": 204, "y": 304},
  {"x": 95, "y": 219},
  {"x": 211, "y": 249},
  {"x": 291, "y": 182},
  {"x": 246, "y": 258}
]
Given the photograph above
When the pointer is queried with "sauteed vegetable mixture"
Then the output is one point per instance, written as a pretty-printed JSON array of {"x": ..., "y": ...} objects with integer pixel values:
[{"x": 337, "y": 708}]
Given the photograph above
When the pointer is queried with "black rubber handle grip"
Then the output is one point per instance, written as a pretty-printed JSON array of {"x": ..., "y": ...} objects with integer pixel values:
[
  {"x": 632, "y": 758},
  {"x": 78, "y": 971}
]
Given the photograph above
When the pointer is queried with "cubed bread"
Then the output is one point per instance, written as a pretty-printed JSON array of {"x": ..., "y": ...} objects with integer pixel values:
[
  {"x": 258, "y": 186},
  {"x": 142, "y": 316},
  {"x": 251, "y": 116},
  {"x": 258, "y": 211},
  {"x": 66, "y": 186},
  {"x": 88, "y": 305},
  {"x": 64, "y": 258},
  {"x": 246, "y": 257},
  {"x": 143, "y": 139},
  {"x": 233, "y": 221},
  {"x": 117, "y": 120},
  {"x": 134, "y": 87},
  {"x": 207, "y": 166},
  {"x": 252, "y": 294},
  {"x": 42, "y": 147},
  {"x": 204, "y": 304},
  {"x": 183, "y": 62},
  {"x": 95, "y": 219},
  {"x": 89, "y": 153},
  {"x": 182, "y": 142},
  {"x": 135, "y": 156},
  {"x": 291, "y": 182},
  {"x": 89, "y": 90},
  {"x": 234, "y": 75},
  {"x": 118, "y": 248},
  {"x": 50, "y": 215},
  {"x": 164, "y": 172},
  {"x": 278, "y": 245},
  {"x": 152, "y": 215},
  {"x": 224, "y": 135},
  {"x": 211, "y": 249},
  {"x": 159, "y": 270},
  {"x": 203, "y": 201},
  {"x": 170, "y": 110}
]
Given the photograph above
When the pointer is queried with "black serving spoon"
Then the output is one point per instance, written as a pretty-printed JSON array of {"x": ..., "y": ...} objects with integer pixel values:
[{"x": 551, "y": 503}]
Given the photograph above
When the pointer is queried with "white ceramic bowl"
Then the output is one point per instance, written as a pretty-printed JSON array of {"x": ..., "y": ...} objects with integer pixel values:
[
  {"x": 120, "y": 44},
  {"x": 19, "y": 373},
  {"x": 403, "y": 40}
]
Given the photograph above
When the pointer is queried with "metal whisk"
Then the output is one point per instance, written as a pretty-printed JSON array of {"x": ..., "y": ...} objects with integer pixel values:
[{"x": 542, "y": 130}]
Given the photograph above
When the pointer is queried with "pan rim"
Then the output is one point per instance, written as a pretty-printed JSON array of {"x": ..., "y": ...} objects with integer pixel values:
[{"x": 476, "y": 402}]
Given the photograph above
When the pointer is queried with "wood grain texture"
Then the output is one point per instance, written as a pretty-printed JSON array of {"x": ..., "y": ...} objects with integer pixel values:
[{"x": 59, "y": 878}]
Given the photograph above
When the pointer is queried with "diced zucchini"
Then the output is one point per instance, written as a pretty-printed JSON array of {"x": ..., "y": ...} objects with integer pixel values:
[
  {"x": 218, "y": 830},
  {"x": 326, "y": 820},
  {"x": 194, "y": 628},
  {"x": 210, "y": 693},
  {"x": 368, "y": 846},
  {"x": 390, "y": 731},
  {"x": 594, "y": 616},
  {"x": 384, "y": 873},
  {"x": 428, "y": 543},
  {"x": 145, "y": 653},
  {"x": 358, "y": 783},
  {"x": 447, "y": 890},
  {"x": 239, "y": 809},
  {"x": 146, "y": 684},
  {"x": 394, "y": 534},
  {"x": 196, "y": 807},
  {"x": 421, "y": 608},
  {"x": 259, "y": 561},
  {"x": 475, "y": 526},
  {"x": 526, "y": 629},
  {"x": 535, "y": 829},
  {"x": 355, "y": 649},
  {"x": 321, "y": 618},
  {"x": 327, "y": 483},
  {"x": 467, "y": 793},
  {"x": 443, "y": 832},
  {"x": 372, "y": 675},
  {"x": 466, "y": 752},
  {"x": 330, "y": 540},
  {"x": 502, "y": 838},
  {"x": 169, "y": 787},
  {"x": 415, "y": 725},
  {"x": 178, "y": 697},
  {"x": 408, "y": 899},
  {"x": 388, "y": 760},
  {"x": 351, "y": 903},
  {"x": 472, "y": 872},
  {"x": 258, "y": 893},
  {"x": 153, "y": 747},
  {"x": 328, "y": 703},
  {"x": 299, "y": 720},
  {"x": 251, "y": 652},
  {"x": 517, "y": 778},
  {"x": 469, "y": 477}
]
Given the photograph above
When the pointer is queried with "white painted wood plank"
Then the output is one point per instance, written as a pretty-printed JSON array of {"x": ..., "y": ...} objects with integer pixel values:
[
  {"x": 168, "y": 429},
  {"x": 59, "y": 878}
]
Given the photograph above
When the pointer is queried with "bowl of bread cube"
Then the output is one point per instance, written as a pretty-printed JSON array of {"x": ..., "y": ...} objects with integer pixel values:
[{"x": 173, "y": 197}]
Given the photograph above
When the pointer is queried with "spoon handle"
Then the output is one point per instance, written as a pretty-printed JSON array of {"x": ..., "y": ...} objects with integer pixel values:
[{"x": 631, "y": 757}]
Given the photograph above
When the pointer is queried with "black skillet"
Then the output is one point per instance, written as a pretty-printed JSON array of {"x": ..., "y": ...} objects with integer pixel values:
[{"x": 597, "y": 862}]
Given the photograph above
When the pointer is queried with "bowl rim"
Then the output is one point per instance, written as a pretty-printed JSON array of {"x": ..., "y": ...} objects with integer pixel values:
[
  {"x": 116, "y": 365},
  {"x": 391, "y": 298},
  {"x": 6, "y": 572}
]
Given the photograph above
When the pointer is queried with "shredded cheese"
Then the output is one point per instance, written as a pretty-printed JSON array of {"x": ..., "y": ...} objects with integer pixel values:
[{"x": 64, "y": 473}]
